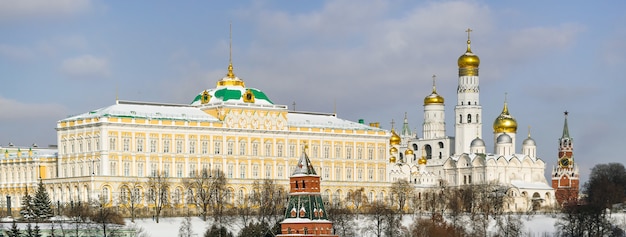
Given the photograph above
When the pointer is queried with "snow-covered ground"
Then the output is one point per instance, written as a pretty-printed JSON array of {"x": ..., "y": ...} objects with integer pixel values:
[{"x": 535, "y": 225}]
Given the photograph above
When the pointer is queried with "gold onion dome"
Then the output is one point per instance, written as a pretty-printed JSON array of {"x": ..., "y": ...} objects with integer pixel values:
[
  {"x": 422, "y": 161},
  {"x": 393, "y": 150},
  {"x": 468, "y": 59},
  {"x": 395, "y": 139},
  {"x": 392, "y": 159},
  {"x": 433, "y": 98},
  {"x": 408, "y": 152},
  {"x": 505, "y": 123}
]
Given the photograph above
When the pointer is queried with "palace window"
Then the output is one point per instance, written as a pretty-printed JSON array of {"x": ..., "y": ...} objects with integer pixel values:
[
  {"x": 242, "y": 171},
  {"x": 359, "y": 152},
  {"x": 230, "y": 170},
  {"x": 255, "y": 148},
  {"x": 166, "y": 170},
  {"x": 166, "y": 145},
  {"x": 179, "y": 146},
  {"x": 216, "y": 149},
  {"x": 279, "y": 150},
  {"x": 242, "y": 147},
  {"x": 255, "y": 171},
  {"x": 230, "y": 146},
  {"x": 292, "y": 150},
  {"x": 192, "y": 170},
  {"x": 112, "y": 143},
  {"x": 205, "y": 147},
  {"x": 279, "y": 171},
  {"x": 140, "y": 169},
  {"x": 370, "y": 153},
  {"x": 192, "y": 146},
  {"x": 139, "y": 144},
  {"x": 338, "y": 174},
  {"x": 126, "y": 168},
  {"x": 268, "y": 171},
  {"x": 326, "y": 151},
  {"x": 179, "y": 170},
  {"x": 153, "y": 144},
  {"x": 348, "y": 152},
  {"x": 113, "y": 167},
  {"x": 268, "y": 149},
  {"x": 349, "y": 174},
  {"x": 126, "y": 144}
]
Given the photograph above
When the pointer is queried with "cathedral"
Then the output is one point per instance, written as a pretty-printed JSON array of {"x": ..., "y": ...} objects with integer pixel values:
[{"x": 436, "y": 159}]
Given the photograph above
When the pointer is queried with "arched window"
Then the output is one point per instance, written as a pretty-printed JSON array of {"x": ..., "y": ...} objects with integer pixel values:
[
  {"x": 105, "y": 194},
  {"x": 477, "y": 121},
  {"x": 460, "y": 118},
  {"x": 440, "y": 145},
  {"x": 469, "y": 118},
  {"x": 429, "y": 152}
]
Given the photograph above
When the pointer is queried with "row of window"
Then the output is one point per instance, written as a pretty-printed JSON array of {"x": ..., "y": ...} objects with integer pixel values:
[
  {"x": 361, "y": 174},
  {"x": 359, "y": 152}
]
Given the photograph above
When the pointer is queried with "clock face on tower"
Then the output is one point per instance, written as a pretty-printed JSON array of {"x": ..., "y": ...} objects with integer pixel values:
[{"x": 564, "y": 162}]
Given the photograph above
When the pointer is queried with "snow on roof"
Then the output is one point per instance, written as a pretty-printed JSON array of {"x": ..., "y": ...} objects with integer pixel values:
[
  {"x": 147, "y": 110},
  {"x": 322, "y": 120},
  {"x": 530, "y": 185}
]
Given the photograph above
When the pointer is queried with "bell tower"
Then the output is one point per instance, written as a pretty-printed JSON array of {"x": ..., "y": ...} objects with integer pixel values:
[{"x": 565, "y": 174}]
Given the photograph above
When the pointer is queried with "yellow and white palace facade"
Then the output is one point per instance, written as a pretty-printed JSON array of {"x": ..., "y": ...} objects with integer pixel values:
[{"x": 231, "y": 128}]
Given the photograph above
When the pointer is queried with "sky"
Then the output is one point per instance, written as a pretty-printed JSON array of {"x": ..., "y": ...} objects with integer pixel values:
[{"x": 370, "y": 60}]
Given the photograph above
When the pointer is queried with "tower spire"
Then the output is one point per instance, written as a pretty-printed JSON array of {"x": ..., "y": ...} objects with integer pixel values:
[
  {"x": 230, "y": 74},
  {"x": 565, "y": 127},
  {"x": 434, "y": 87},
  {"x": 469, "y": 42}
]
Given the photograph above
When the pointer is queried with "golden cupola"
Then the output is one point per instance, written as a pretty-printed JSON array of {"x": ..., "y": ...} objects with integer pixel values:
[
  {"x": 408, "y": 152},
  {"x": 505, "y": 123},
  {"x": 433, "y": 98},
  {"x": 468, "y": 62},
  {"x": 422, "y": 161},
  {"x": 395, "y": 139}
]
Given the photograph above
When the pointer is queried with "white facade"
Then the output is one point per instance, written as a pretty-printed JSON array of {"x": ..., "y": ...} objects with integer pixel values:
[{"x": 463, "y": 159}]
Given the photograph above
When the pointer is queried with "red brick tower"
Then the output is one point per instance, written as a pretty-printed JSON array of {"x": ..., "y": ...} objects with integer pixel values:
[
  {"x": 565, "y": 174},
  {"x": 305, "y": 215}
]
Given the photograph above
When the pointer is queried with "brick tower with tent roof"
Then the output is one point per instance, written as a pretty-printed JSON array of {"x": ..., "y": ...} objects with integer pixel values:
[{"x": 305, "y": 214}]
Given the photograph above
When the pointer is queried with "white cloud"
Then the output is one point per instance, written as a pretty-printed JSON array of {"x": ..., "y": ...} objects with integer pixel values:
[
  {"x": 20, "y": 9},
  {"x": 85, "y": 67},
  {"x": 16, "y": 110}
]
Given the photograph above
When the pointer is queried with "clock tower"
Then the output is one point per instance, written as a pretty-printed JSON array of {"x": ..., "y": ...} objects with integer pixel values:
[{"x": 565, "y": 173}]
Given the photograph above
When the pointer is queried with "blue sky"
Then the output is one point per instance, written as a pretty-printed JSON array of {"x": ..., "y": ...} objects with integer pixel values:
[{"x": 368, "y": 59}]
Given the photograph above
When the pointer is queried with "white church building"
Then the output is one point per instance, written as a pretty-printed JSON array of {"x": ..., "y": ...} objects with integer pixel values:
[{"x": 435, "y": 159}]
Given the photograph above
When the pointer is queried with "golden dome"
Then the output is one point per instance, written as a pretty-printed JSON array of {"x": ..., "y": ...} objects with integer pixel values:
[
  {"x": 395, "y": 139},
  {"x": 468, "y": 59},
  {"x": 505, "y": 123},
  {"x": 408, "y": 152},
  {"x": 433, "y": 98},
  {"x": 393, "y": 150},
  {"x": 392, "y": 159},
  {"x": 422, "y": 161},
  {"x": 468, "y": 62}
]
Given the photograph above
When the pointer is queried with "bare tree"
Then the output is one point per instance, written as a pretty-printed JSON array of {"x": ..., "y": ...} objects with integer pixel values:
[
  {"x": 107, "y": 219},
  {"x": 158, "y": 187},
  {"x": 358, "y": 199},
  {"x": 402, "y": 191},
  {"x": 378, "y": 214},
  {"x": 207, "y": 186},
  {"x": 130, "y": 197},
  {"x": 270, "y": 198},
  {"x": 342, "y": 218}
]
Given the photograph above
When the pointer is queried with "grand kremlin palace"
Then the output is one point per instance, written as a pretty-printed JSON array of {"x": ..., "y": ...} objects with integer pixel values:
[
  {"x": 232, "y": 128},
  {"x": 241, "y": 132}
]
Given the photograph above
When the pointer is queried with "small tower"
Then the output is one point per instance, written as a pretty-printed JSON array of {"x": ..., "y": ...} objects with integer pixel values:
[
  {"x": 565, "y": 174},
  {"x": 305, "y": 214}
]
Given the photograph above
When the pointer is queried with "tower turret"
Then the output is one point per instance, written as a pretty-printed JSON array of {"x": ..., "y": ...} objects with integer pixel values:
[
  {"x": 468, "y": 110},
  {"x": 565, "y": 175}
]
